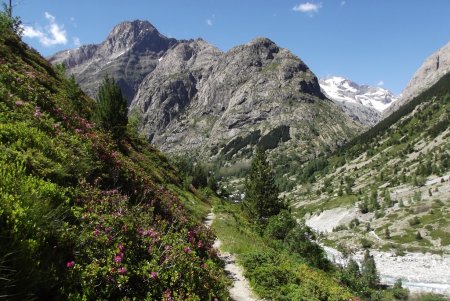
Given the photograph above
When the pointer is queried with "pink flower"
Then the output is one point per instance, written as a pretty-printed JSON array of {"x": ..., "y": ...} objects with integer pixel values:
[
  {"x": 96, "y": 232},
  {"x": 122, "y": 270},
  {"x": 121, "y": 247},
  {"x": 118, "y": 258},
  {"x": 19, "y": 103},
  {"x": 154, "y": 275},
  {"x": 70, "y": 264},
  {"x": 187, "y": 250}
]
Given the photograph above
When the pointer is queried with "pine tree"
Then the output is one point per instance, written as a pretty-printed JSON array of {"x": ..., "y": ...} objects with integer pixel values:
[
  {"x": 111, "y": 109},
  {"x": 261, "y": 193},
  {"x": 369, "y": 273}
]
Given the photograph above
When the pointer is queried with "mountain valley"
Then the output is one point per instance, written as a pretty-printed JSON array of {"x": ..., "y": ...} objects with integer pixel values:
[{"x": 147, "y": 167}]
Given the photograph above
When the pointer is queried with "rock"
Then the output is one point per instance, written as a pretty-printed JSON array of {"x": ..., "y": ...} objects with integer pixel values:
[{"x": 434, "y": 68}]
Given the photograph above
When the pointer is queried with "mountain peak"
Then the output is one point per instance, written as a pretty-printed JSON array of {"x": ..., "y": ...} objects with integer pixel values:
[
  {"x": 137, "y": 34},
  {"x": 133, "y": 27}
]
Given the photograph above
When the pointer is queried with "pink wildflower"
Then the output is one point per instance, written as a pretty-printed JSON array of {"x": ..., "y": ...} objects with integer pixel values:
[
  {"x": 122, "y": 270},
  {"x": 19, "y": 103},
  {"x": 154, "y": 275},
  {"x": 70, "y": 264},
  {"x": 187, "y": 250},
  {"x": 118, "y": 259}
]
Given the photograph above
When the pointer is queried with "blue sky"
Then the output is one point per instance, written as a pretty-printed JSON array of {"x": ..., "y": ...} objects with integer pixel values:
[{"x": 369, "y": 41}]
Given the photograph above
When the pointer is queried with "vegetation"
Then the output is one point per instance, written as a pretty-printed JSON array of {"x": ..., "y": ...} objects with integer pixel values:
[
  {"x": 111, "y": 109},
  {"x": 81, "y": 218},
  {"x": 275, "y": 272},
  {"x": 393, "y": 174},
  {"x": 261, "y": 194}
]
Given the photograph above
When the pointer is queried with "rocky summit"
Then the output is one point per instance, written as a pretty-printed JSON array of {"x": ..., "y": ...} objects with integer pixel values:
[
  {"x": 129, "y": 53},
  {"x": 195, "y": 98}
]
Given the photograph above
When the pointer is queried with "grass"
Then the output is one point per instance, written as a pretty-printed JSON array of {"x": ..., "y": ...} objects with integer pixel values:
[{"x": 274, "y": 273}]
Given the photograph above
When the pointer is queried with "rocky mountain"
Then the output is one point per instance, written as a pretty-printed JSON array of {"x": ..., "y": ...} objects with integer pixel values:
[
  {"x": 195, "y": 98},
  {"x": 432, "y": 69},
  {"x": 129, "y": 53},
  {"x": 362, "y": 103}
]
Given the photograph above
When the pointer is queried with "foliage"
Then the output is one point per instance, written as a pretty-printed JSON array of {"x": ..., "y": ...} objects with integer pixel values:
[
  {"x": 301, "y": 240},
  {"x": 280, "y": 225},
  {"x": 261, "y": 194},
  {"x": 369, "y": 273},
  {"x": 111, "y": 109},
  {"x": 274, "y": 272},
  {"x": 80, "y": 218},
  {"x": 9, "y": 24}
]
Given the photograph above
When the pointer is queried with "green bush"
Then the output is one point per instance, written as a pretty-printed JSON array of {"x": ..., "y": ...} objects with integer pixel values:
[
  {"x": 300, "y": 240},
  {"x": 280, "y": 225}
]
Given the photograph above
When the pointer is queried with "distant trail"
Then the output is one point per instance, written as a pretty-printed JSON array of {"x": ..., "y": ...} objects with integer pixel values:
[{"x": 241, "y": 288}]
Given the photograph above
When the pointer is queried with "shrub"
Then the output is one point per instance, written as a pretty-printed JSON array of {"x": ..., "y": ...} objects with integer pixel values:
[
  {"x": 300, "y": 240},
  {"x": 279, "y": 225}
]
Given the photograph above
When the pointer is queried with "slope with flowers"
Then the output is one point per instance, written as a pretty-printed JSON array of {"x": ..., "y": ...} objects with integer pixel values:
[{"x": 84, "y": 217}]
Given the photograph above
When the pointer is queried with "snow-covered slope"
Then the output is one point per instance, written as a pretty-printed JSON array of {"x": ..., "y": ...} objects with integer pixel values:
[
  {"x": 362, "y": 103},
  {"x": 343, "y": 90}
]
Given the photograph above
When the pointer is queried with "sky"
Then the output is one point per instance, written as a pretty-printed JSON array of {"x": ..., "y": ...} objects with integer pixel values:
[{"x": 375, "y": 42}]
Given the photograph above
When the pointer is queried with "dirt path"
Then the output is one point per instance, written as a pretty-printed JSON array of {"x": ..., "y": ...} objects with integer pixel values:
[{"x": 240, "y": 291}]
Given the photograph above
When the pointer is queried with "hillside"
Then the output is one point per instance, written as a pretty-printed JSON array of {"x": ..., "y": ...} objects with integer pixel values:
[
  {"x": 81, "y": 216},
  {"x": 214, "y": 105},
  {"x": 389, "y": 188}
]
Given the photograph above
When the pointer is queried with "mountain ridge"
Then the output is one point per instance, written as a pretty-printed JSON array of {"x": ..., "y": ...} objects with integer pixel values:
[{"x": 198, "y": 99}]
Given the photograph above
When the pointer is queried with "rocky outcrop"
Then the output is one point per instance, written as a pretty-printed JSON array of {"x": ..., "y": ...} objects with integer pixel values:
[
  {"x": 129, "y": 53},
  {"x": 434, "y": 68}
]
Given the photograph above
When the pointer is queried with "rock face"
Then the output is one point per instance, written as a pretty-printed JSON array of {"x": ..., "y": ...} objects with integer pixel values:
[
  {"x": 434, "y": 68},
  {"x": 223, "y": 104},
  {"x": 129, "y": 53},
  {"x": 362, "y": 103},
  {"x": 195, "y": 98}
]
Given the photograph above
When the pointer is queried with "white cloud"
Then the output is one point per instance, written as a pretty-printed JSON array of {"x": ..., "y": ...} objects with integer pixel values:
[
  {"x": 76, "y": 41},
  {"x": 210, "y": 21},
  {"x": 343, "y": 3},
  {"x": 308, "y": 7},
  {"x": 380, "y": 83},
  {"x": 52, "y": 34}
]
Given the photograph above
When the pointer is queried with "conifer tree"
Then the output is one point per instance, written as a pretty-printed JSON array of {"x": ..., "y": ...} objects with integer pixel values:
[
  {"x": 111, "y": 108},
  {"x": 369, "y": 271},
  {"x": 261, "y": 193}
]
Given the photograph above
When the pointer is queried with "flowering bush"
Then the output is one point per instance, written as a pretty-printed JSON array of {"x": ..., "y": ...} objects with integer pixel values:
[{"x": 80, "y": 216}]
